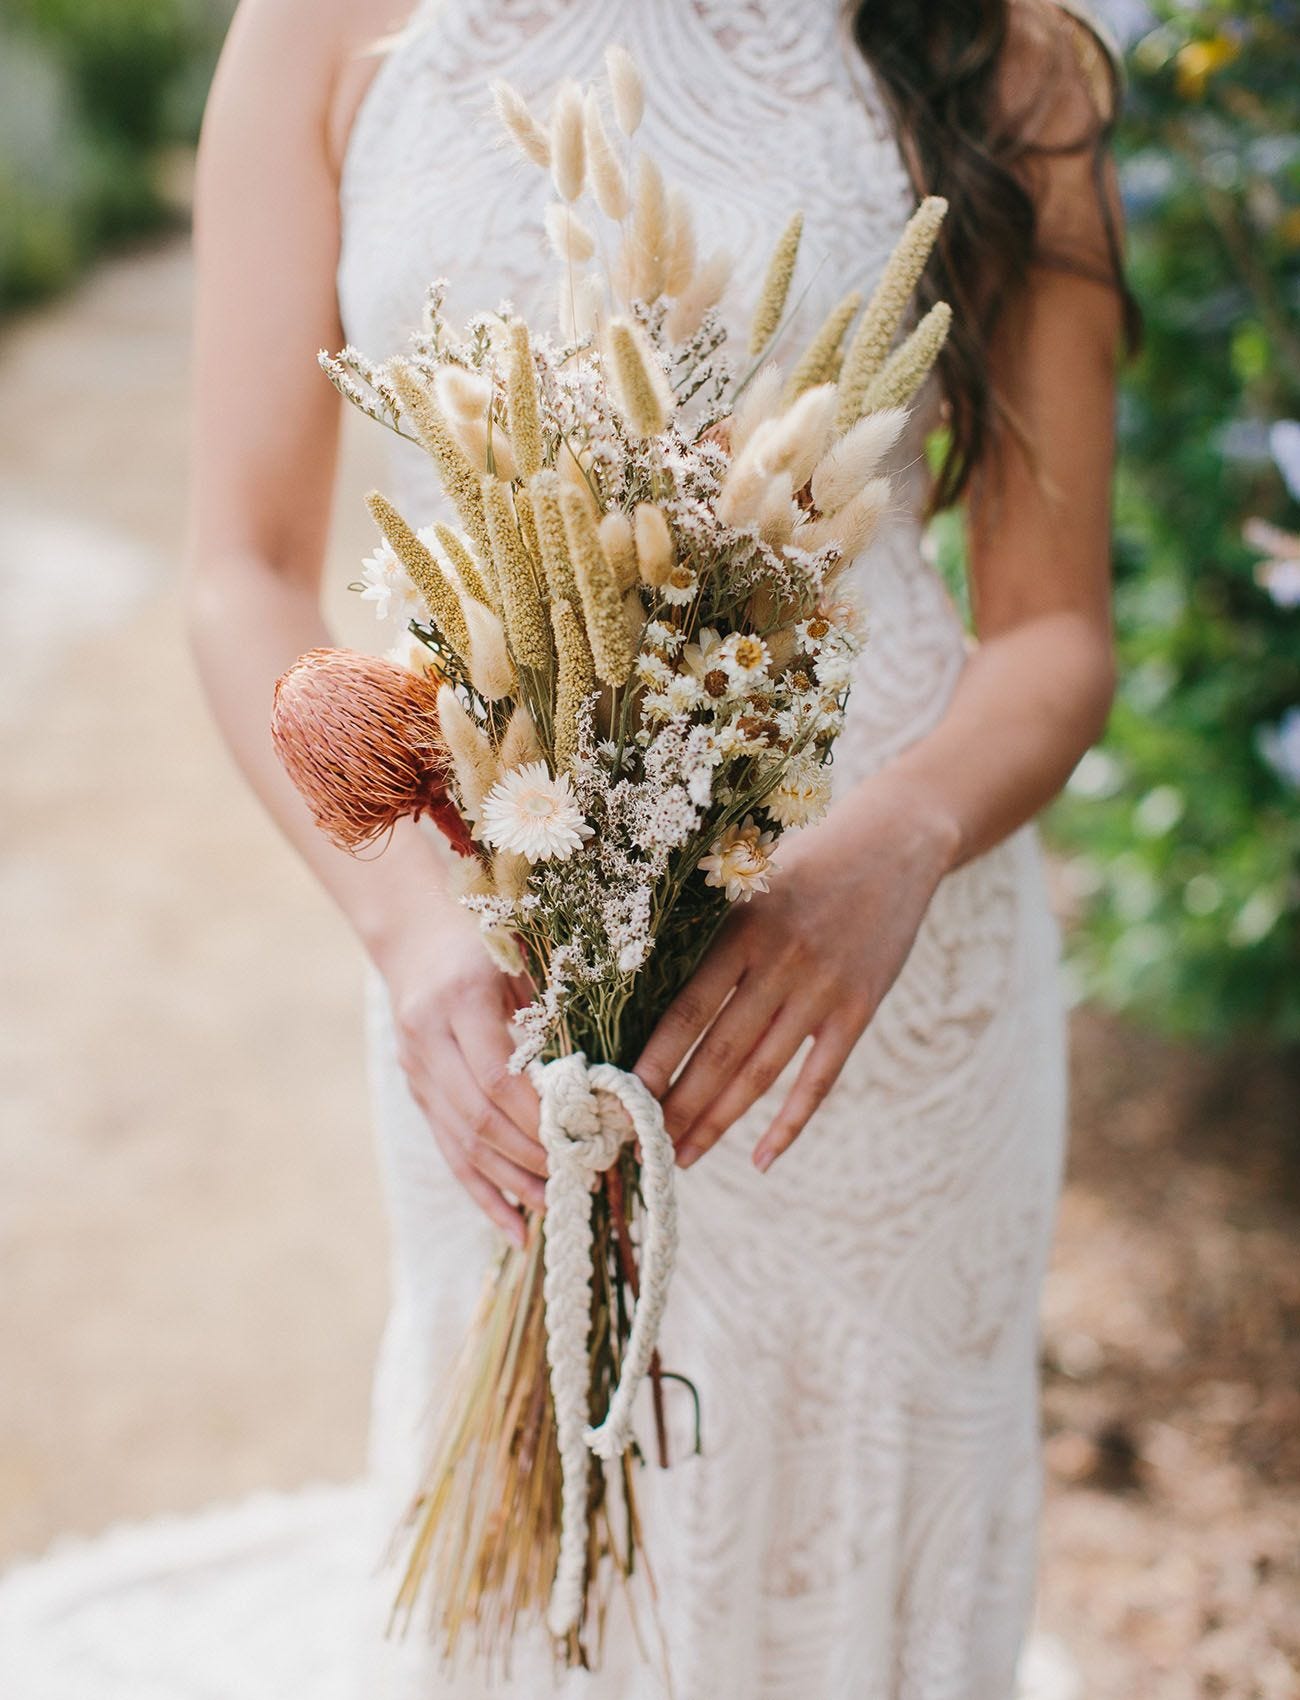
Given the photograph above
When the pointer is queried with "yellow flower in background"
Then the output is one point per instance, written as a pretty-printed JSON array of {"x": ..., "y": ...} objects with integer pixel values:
[
  {"x": 1196, "y": 63},
  {"x": 1289, "y": 227}
]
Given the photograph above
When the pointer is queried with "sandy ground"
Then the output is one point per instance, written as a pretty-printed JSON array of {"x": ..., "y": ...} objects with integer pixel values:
[
  {"x": 188, "y": 1213},
  {"x": 194, "y": 1265}
]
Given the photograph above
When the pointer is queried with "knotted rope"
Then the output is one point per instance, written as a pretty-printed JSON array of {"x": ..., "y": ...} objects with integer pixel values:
[{"x": 588, "y": 1113}]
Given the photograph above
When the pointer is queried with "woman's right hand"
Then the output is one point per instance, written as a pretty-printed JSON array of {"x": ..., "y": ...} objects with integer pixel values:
[{"x": 451, "y": 1010}]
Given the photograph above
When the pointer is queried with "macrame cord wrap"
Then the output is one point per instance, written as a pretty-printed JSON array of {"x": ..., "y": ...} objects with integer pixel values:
[{"x": 589, "y": 1111}]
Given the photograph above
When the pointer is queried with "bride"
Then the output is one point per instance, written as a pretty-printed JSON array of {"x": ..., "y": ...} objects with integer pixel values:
[{"x": 865, "y": 1080}]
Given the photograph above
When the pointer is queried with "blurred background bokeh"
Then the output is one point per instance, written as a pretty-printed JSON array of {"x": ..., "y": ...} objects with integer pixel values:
[{"x": 194, "y": 1265}]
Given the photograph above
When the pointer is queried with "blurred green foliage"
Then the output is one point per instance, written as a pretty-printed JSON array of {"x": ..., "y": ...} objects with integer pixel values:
[
  {"x": 90, "y": 92},
  {"x": 1183, "y": 830}
]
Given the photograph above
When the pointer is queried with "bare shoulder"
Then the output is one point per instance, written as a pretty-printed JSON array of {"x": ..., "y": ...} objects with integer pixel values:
[
  {"x": 310, "y": 59},
  {"x": 1058, "y": 92},
  {"x": 1059, "y": 77}
]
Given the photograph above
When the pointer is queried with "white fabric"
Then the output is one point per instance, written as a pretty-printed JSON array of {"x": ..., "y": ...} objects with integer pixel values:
[{"x": 861, "y": 1322}]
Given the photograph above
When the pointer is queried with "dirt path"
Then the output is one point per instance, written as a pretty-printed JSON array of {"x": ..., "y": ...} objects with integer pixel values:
[
  {"x": 187, "y": 1201},
  {"x": 188, "y": 1211}
]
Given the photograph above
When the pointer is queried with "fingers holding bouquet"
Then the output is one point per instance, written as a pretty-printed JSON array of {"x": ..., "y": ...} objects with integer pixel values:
[
  {"x": 451, "y": 1014},
  {"x": 809, "y": 960}
]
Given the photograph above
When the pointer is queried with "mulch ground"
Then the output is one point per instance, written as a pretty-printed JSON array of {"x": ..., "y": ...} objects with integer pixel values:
[{"x": 1172, "y": 1357}]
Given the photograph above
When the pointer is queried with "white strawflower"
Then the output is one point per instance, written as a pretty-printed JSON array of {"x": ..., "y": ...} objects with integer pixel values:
[
  {"x": 834, "y": 669},
  {"x": 739, "y": 861},
  {"x": 705, "y": 655},
  {"x": 660, "y": 636},
  {"x": 802, "y": 796},
  {"x": 680, "y": 587},
  {"x": 534, "y": 815},
  {"x": 414, "y": 656},
  {"x": 745, "y": 657},
  {"x": 653, "y": 670},
  {"x": 385, "y": 582}
]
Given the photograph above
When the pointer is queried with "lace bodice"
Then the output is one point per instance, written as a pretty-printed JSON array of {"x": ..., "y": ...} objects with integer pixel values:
[{"x": 758, "y": 108}]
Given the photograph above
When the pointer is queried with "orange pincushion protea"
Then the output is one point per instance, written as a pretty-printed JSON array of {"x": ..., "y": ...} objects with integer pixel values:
[{"x": 360, "y": 738}]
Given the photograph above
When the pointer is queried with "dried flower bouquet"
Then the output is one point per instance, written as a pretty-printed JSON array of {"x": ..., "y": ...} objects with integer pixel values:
[{"x": 623, "y": 671}]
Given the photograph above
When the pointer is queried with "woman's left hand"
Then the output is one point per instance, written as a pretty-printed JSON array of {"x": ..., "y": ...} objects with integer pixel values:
[{"x": 811, "y": 958}]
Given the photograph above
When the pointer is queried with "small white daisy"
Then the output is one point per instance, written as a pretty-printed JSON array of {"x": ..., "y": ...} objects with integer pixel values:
[
  {"x": 534, "y": 815},
  {"x": 680, "y": 588},
  {"x": 745, "y": 657}
]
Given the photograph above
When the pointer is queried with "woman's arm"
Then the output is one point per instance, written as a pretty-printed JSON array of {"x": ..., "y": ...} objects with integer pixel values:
[
  {"x": 815, "y": 957},
  {"x": 266, "y": 426}
]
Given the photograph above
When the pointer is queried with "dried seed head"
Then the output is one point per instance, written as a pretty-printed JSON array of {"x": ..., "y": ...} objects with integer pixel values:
[
  {"x": 681, "y": 244},
  {"x": 853, "y": 527},
  {"x": 528, "y": 527},
  {"x": 803, "y": 434},
  {"x": 522, "y": 406},
  {"x": 510, "y": 873},
  {"x": 575, "y": 680},
  {"x": 552, "y": 540},
  {"x": 466, "y": 568},
  {"x": 638, "y": 381},
  {"x": 615, "y": 533},
  {"x": 654, "y": 545},
  {"x": 608, "y": 179},
  {"x": 490, "y": 669},
  {"x": 475, "y": 767},
  {"x": 521, "y": 599},
  {"x": 777, "y": 512},
  {"x": 519, "y": 742},
  {"x": 362, "y": 741},
  {"x": 909, "y": 366},
  {"x": 648, "y": 240},
  {"x": 703, "y": 291},
  {"x": 875, "y": 334},
  {"x": 462, "y": 393},
  {"x": 602, "y": 602},
  {"x": 521, "y": 126},
  {"x": 572, "y": 241},
  {"x": 822, "y": 358},
  {"x": 440, "y": 595},
  {"x": 568, "y": 142},
  {"x": 776, "y": 286},
  {"x": 842, "y": 472},
  {"x": 760, "y": 401},
  {"x": 459, "y": 476},
  {"x": 626, "y": 89}
]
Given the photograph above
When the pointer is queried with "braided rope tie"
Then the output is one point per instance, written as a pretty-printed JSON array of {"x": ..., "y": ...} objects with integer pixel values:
[{"x": 588, "y": 1113}]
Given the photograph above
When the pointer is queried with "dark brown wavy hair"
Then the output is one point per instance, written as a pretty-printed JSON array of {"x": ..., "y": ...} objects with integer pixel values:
[{"x": 985, "y": 95}]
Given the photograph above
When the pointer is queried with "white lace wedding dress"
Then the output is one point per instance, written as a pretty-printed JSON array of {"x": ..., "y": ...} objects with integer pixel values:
[{"x": 861, "y": 1323}]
